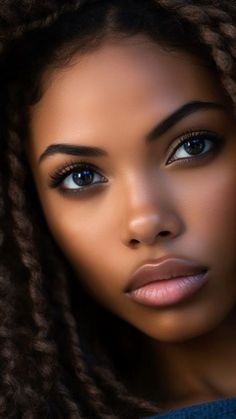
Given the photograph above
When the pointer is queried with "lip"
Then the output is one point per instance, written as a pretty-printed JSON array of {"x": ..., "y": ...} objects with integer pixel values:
[{"x": 166, "y": 269}]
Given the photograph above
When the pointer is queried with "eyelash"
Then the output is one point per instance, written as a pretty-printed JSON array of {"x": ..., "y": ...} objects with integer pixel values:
[
  {"x": 214, "y": 138},
  {"x": 71, "y": 167}
]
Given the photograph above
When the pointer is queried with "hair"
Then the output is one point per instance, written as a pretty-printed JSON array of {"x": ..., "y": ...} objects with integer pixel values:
[{"x": 56, "y": 360}]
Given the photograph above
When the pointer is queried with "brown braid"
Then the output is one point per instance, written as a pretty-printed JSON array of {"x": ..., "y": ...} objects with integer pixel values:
[
  {"x": 43, "y": 286},
  {"x": 77, "y": 357},
  {"x": 10, "y": 355},
  {"x": 1, "y": 212},
  {"x": 208, "y": 22},
  {"x": 108, "y": 378},
  {"x": 16, "y": 32},
  {"x": 24, "y": 235}
]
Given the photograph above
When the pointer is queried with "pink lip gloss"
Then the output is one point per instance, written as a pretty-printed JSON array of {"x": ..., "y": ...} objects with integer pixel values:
[{"x": 168, "y": 291}]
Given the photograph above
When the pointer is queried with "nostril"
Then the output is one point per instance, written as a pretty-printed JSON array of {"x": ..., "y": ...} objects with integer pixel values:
[
  {"x": 164, "y": 233},
  {"x": 134, "y": 241}
]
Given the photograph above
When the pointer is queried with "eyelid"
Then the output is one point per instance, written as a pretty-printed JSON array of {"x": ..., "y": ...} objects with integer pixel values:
[
  {"x": 57, "y": 176},
  {"x": 173, "y": 147}
]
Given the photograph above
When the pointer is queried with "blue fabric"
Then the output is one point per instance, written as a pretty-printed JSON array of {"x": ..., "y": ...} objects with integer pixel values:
[{"x": 215, "y": 409}]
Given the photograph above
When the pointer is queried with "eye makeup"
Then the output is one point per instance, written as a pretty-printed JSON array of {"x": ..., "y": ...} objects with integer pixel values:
[
  {"x": 73, "y": 168},
  {"x": 73, "y": 172},
  {"x": 193, "y": 138}
]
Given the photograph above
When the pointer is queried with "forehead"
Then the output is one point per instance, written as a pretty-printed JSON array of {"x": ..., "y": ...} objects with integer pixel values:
[{"x": 116, "y": 88}]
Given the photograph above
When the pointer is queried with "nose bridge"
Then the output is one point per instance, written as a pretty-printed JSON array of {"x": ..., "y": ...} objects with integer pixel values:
[{"x": 149, "y": 209}]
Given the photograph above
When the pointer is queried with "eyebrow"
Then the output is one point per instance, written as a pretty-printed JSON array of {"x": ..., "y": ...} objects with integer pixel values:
[{"x": 157, "y": 131}]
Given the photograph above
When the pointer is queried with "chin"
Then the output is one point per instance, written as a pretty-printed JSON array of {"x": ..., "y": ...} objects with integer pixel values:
[{"x": 173, "y": 328}]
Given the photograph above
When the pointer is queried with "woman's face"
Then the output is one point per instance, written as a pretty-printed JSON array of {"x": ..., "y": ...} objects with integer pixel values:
[{"x": 108, "y": 213}]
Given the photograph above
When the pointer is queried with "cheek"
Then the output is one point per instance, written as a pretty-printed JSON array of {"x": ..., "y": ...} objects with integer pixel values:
[
  {"x": 84, "y": 232},
  {"x": 78, "y": 234},
  {"x": 217, "y": 207},
  {"x": 210, "y": 212}
]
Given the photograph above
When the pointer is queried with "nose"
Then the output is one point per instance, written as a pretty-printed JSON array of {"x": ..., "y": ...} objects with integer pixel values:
[{"x": 150, "y": 217}]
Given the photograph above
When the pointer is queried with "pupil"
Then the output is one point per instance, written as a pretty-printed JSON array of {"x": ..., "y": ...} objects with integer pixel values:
[
  {"x": 194, "y": 146},
  {"x": 82, "y": 177}
]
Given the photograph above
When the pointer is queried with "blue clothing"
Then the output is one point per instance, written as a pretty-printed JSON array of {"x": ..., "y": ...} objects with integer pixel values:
[{"x": 214, "y": 409}]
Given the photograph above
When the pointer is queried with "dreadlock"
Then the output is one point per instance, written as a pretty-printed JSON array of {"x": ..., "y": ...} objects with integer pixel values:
[{"x": 54, "y": 363}]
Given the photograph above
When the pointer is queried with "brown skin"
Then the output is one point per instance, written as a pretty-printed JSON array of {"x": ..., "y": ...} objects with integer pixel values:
[{"x": 112, "y": 98}]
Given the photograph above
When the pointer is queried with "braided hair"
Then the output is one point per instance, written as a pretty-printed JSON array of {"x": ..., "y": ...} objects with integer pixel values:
[{"x": 54, "y": 355}]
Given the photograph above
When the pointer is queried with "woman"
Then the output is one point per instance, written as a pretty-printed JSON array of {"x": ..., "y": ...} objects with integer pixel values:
[{"x": 118, "y": 209}]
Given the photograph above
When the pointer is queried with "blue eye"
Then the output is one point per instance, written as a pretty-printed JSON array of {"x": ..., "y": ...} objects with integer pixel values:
[
  {"x": 76, "y": 177},
  {"x": 194, "y": 145},
  {"x": 81, "y": 178}
]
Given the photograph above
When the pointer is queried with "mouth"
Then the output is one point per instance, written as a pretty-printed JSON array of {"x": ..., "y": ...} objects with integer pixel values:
[
  {"x": 168, "y": 282},
  {"x": 170, "y": 291}
]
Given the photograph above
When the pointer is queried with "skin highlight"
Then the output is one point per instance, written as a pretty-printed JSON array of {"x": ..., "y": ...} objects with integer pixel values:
[{"x": 111, "y": 99}]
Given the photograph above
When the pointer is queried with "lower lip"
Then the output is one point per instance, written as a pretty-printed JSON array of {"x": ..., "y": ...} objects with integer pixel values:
[{"x": 168, "y": 291}]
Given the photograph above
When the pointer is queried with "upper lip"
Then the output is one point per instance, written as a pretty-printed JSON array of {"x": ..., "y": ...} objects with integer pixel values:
[{"x": 167, "y": 268}]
